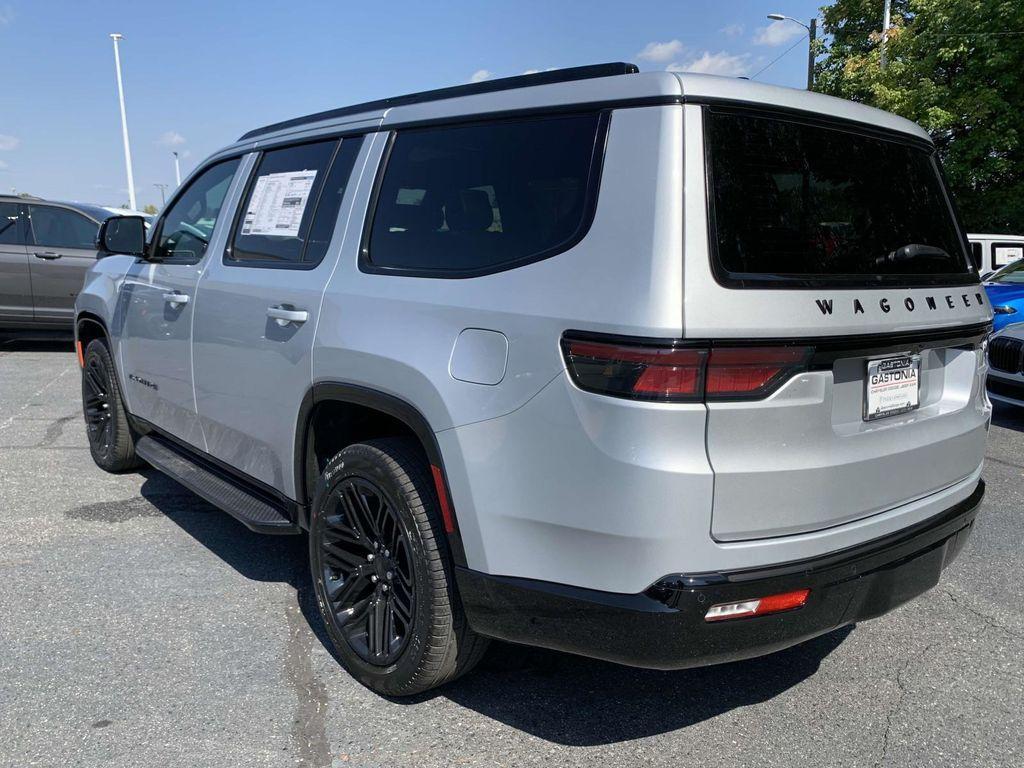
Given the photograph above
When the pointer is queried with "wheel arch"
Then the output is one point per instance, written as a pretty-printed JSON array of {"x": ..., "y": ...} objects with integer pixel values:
[{"x": 387, "y": 414}]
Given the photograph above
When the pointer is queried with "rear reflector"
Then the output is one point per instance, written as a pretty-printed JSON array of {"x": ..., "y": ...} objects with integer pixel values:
[
  {"x": 670, "y": 372},
  {"x": 785, "y": 601}
]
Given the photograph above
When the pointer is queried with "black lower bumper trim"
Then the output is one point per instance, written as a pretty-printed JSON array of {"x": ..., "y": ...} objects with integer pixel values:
[{"x": 664, "y": 627}]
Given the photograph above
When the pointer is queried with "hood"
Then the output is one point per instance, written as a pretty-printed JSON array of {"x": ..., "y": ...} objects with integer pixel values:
[{"x": 1000, "y": 293}]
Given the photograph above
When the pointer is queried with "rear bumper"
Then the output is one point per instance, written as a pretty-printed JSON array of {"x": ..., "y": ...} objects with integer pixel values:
[{"x": 664, "y": 628}]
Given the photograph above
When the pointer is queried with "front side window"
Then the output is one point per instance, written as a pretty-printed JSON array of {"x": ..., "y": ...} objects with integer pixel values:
[
  {"x": 60, "y": 228},
  {"x": 292, "y": 203},
  {"x": 798, "y": 203},
  {"x": 9, "y": 234},
  {"x": 187, "y": 227},
  {"x": 458, "y": 201}
]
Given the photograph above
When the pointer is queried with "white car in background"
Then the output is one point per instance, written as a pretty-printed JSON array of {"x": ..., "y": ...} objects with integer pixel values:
[{"x": 992, "y": 252}]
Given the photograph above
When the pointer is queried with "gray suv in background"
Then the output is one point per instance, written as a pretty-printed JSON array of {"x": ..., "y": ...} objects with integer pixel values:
[
  {"x": 46, "y": 248},
  {"x": 658, "y": 368}
]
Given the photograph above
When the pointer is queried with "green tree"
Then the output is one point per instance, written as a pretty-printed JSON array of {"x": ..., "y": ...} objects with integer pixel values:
[
  {"x": 150, "y": 209},
  {"x": 955, "y": 67}
]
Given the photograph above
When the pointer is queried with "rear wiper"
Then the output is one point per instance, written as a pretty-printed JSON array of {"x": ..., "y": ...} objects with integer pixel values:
[{"x": 913, "y": 252}]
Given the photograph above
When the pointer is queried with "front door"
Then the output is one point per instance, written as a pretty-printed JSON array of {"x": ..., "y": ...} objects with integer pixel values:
[
  {"x": 258, "y": 304},
  {"x": 15, "y": 281},
  {"x": 62, "y": 247},
  {"x": 158, "y": 299}
]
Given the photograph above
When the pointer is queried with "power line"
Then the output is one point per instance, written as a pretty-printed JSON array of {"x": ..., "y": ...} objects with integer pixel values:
[{"x": 794, "y": 45}]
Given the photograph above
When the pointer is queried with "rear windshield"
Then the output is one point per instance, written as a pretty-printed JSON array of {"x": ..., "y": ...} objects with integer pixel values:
[{"x": 800, "y": 204}]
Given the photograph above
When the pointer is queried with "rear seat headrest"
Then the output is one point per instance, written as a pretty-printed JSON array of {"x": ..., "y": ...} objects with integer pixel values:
[{"x": 469, "y": 211}]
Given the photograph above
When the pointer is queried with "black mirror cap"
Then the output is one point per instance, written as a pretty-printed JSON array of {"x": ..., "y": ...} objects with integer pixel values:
[{"x": 123, "y": 234}]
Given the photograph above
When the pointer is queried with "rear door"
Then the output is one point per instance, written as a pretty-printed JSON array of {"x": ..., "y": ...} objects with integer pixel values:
[
  {"x": 259, "y": 302},
  {"x": 62, "y": 247},
  {"x": 845, "y": 320},
  {"x": 15, "y": 278}
]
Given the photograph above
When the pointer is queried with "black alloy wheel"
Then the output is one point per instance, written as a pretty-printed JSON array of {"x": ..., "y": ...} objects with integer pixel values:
[
  {"x": 367, "y": 570},
  {"x": 98, "y": 405}
]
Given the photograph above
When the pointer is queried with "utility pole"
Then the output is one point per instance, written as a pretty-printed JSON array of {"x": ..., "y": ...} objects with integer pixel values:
[
  {"x": 177, "y": 170},
  {"x": 163, "y": 198},
  {"x": 813, "y": 32},
  {"x": 124, "y": 123},
  {"x": 885, "y": 34}
]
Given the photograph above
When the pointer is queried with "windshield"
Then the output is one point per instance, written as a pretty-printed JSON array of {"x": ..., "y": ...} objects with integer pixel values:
[
  {"x": 1014, "y": 274},
  {"x": 800, "y": 203}
]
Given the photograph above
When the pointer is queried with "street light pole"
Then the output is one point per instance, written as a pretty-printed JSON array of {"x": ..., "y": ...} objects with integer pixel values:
[
  {"x": 177, "y": 170},
  {"x": 812, "y": 32},
  {"x": 124, "y": 123},
  {"x": 163, "y": 198}
]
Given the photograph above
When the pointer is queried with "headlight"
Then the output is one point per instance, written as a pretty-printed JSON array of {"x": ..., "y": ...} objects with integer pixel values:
[{"x": 1004, "y": 310}]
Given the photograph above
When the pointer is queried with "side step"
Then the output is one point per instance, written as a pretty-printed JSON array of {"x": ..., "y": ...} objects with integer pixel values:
[{"x": 216, "y": 487}]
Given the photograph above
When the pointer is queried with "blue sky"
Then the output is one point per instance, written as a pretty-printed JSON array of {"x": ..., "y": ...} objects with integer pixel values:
[{"x": 199, "y": 74}]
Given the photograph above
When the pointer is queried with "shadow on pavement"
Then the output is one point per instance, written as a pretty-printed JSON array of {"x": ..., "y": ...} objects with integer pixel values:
[
  {"x": 558, "y": 697},
  {"x": 1008, "y": 416},
  {"x": 30, "y": 342}
]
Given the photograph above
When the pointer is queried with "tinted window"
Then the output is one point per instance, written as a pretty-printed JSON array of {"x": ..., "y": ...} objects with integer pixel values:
[
  {"x": 473, "y": 199},
  {"x": 292, "y": 203},
  {"x": 795, "y": 200},
  {"x": 279, "y": 205},
  {"x": 61, "y": 228},
  {"x": 976, "y": 254},
  {"x": 9, "y": 224},
  {"x": 186, "y": 228}
]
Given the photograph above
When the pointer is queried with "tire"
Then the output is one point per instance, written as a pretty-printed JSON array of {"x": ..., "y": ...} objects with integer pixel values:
[
  {"x": 111, "y": 442},
  {"x": 382, "y": 574}
]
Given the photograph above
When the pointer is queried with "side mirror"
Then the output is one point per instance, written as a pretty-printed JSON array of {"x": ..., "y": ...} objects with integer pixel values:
[{"x": 123, "y": 234}]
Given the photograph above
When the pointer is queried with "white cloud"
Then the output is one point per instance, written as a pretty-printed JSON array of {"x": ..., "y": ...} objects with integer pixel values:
[
  {"x": 661, "y": 53},
  {"x": 535, "y": 71},
  {"x": 3, "y": 166},
  {"x": 480, "y": 75},
  {"x": 7, "y": 143},
  {"x": 6, "y": 15},
  {"x": 732, "y": 30},
  {"x": 720, "y": 63},
  {"x": 171, "y": 139},
  {"x": 778, "y": 33}
]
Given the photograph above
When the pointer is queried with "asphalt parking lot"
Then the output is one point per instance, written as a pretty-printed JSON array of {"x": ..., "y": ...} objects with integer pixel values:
[{"x": 141, "y": 627}]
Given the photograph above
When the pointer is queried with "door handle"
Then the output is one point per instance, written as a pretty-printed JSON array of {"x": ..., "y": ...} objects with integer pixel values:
[
  {"x": 284, "y": 315},
  {"x": 47, "y": 255},
  {"x": 176, "y": 299}
]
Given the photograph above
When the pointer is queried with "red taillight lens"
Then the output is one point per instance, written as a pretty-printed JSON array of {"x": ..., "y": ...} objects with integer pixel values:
[
  {"x": 672, "y": 373},
  {"x": 752, "y": 371},
  {"x": 646, "y": 372}
]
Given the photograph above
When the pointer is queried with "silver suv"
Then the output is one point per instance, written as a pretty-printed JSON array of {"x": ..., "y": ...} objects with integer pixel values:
[{"x": 662, "y": 369}]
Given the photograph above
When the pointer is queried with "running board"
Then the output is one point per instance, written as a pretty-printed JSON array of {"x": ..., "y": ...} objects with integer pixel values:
[{"x": 216, "y": 487}]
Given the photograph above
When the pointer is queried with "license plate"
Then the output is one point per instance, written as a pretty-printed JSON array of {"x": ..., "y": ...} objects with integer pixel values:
[{"x": 893, "y": 385}]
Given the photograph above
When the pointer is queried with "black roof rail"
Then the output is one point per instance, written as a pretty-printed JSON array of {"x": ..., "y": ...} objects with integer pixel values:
[{"x": 487, "y": 86}]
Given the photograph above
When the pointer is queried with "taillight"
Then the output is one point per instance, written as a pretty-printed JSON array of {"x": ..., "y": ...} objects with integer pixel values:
[
  {"x": 786, "y": 601},
  {"x": 751, "y": 372},
  {"x": 671, "y": 372},
  {"x": 646, "y": 372}
]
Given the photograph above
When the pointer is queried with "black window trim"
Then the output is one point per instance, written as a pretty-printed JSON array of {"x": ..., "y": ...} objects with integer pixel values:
[
  {"x": 158, "y": 226},
  {"x": 227, "y": 258},
  {"x": 597, "y": 156},
  {"x": 29, "y": 233},
  {"x": 743, "y": 280}
]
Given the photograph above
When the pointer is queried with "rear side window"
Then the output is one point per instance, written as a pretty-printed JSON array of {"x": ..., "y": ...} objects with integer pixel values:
[
  {"x": 61, "y": 228},
  {"x": 278, "y": 207},
  {"x": 797, "y": 203},
  {"x": 460, "y": 201}
]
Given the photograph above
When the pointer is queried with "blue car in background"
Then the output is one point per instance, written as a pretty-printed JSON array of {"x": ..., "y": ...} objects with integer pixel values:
[{"x": 1005, "y": 289}]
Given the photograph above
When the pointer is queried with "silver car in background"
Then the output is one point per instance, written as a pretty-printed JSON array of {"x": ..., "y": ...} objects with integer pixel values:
[{"x": 659, "y": 368}]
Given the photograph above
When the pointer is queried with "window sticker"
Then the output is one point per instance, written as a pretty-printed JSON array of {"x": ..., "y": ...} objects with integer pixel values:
[
  {"x": 1006, "y": 254},
  {"x": 277, "y": 203}
]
